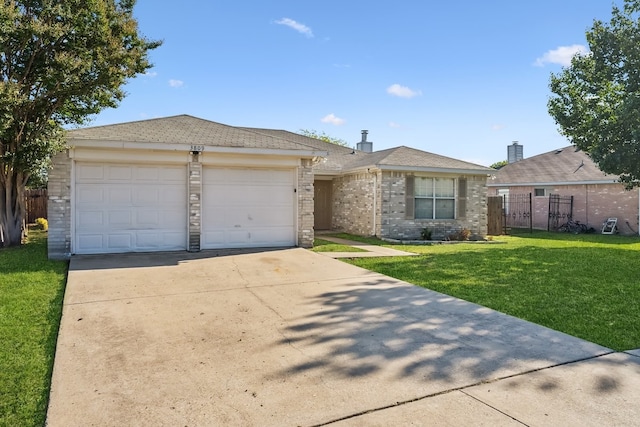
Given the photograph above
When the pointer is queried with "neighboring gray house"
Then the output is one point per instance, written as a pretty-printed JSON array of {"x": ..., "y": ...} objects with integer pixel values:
[
  {"x": 183, "y": 183},
  {"x": 569, "y": 172}
]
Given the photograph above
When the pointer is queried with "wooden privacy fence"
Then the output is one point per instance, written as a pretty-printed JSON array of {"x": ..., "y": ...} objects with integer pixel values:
[{"x": 36, "y": 205}]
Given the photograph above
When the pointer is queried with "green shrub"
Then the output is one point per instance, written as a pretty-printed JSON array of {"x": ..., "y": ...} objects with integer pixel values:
[
  {"x": 425, "y": 234},
  {"x": 42, "y": 224},
  {"x": 460, "y": 235}
]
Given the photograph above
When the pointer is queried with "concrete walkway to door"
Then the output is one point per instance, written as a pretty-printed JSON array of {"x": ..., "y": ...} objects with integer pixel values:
[{"x": 293, "y": 338}]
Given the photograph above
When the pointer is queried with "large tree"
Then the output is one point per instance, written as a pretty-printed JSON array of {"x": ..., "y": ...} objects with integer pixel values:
[
  {"x": 596, "y": 100},
  {"x": 61, "y": 61}
]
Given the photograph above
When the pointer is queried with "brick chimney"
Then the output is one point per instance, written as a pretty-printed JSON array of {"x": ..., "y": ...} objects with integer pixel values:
[{"x": 364, "y": 145}]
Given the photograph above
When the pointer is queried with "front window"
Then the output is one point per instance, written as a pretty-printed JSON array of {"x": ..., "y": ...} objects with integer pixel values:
[{"x": 435, "y": 198}]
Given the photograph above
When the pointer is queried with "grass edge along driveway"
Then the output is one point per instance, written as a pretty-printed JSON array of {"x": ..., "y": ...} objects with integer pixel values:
[
  {"x": 584, "y": 285},
  {"x": 31, "y": 296}
]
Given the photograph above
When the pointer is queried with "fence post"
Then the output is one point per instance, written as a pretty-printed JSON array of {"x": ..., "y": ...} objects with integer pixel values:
[{"x": 530, "y": 214}]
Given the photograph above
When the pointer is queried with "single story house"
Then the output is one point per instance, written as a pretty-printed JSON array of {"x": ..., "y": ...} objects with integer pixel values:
[
  {"x": 567, "y": 172},
  {"x": 184, "y": 183}
]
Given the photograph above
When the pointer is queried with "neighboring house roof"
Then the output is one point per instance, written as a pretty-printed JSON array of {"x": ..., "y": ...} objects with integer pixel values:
[
  {"x": 186, "y": 130},
  {"x": 564, "y": 166},
  {"x": 409, "y": 159}
]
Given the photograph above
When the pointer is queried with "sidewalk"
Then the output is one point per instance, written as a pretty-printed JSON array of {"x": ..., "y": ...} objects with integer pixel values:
[{"x": 372, "y": 250}]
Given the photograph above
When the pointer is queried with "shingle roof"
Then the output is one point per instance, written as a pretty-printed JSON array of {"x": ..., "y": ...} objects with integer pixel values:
[
  {"x": 411, "y": 158},
  {"x": 564, "y": 165},
  {"x": 187, "y": 130},
  {"x": 334, "y": 162}
]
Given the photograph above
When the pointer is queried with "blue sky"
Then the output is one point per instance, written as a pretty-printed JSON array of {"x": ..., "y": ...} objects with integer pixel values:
[{"x": 462, "y": 79}]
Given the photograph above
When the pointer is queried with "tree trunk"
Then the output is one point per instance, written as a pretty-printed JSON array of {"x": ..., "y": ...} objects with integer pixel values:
[{"x": 12, "y": 207}]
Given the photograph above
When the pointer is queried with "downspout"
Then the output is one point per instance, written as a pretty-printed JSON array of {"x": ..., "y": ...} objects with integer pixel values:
[{"x": 375, "y": 201}]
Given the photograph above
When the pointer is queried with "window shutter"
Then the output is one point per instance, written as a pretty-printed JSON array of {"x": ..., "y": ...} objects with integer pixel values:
[
  {"x": 409, "y": 210},
  {"x": 462, "y": 198}
]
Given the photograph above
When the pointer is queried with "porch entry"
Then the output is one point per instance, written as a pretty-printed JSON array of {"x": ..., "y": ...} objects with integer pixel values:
[{"x": 322, "y": 194}]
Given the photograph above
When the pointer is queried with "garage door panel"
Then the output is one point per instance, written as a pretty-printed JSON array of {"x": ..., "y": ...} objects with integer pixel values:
[
  {"x": 129, "y": 208},
  {"x": 119, "y": 194},
  {"x": 119, "y": 173},
  {"x": 91, "y": 218},
  {"x": 120, "y": 218},
  {"x": 88, "y": 172},
  {"x": 119, "y": 241},
  {"x": 147, "y": 195},
  {"x": 247, "y": 208},
  {"x": 87, "y": 194}
]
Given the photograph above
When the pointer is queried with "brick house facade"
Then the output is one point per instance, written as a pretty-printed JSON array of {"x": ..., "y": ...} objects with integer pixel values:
[
  {"x": 568, "y": 172},
  {"x": 183, "y": 183}
]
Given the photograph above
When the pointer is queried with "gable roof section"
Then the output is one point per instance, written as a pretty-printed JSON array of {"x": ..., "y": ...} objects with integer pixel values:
[
  {"x": 338, "y": 155},
  {"x": 185, "y": 130},
  {"x": 410, "y": 159},
  {"x": 563, "y": 166}
]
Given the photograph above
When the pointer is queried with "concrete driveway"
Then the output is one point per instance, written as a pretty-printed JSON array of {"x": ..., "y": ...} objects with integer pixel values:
[{"x": 290, "y": 337}]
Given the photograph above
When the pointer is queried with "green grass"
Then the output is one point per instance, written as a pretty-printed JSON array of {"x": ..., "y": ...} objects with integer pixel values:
[
  {"x": 584, "y": 285},
  {"x": 31, "y": 293},
  {"x": 320, "y": 245},
  {"x": 367, "y": 240}
]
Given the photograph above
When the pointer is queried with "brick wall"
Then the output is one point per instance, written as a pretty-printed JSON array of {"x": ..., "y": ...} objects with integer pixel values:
[
  {"x": 305, "y": 204},
  {"x": 195, "y": 203},
  {"x": 353, "y": 203},
  {"x": 59, "y": 207},
  {"x": 592, "y": 204},
  {"x": 395, "y": 225}
]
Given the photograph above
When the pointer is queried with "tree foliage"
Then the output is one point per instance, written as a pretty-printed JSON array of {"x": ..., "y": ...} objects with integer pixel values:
[
  {"x": 61, "y": 61},
  {"x": 323, "y": 137},
  {"x": 596, "y": 100},
  {"x": 499, "y": 165}
]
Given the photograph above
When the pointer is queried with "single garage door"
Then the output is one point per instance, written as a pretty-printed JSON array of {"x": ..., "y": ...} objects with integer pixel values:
[
  {"x": 130, "y": 208},
  {"x": 243, "y": 208}
]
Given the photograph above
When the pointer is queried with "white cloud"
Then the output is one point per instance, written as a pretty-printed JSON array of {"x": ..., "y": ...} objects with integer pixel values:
[
  {"x": 402, "y": 91},
  {"x": 176, "y": 83},
  {"x": 562, "y": 55},
  {"x": 151, "y": 74},
  {"x": 394, "y": 125},
  {"x": 301, "y": 28},
  {"x": 331, "y": 118},
  {"x": 497, "y": 127}
]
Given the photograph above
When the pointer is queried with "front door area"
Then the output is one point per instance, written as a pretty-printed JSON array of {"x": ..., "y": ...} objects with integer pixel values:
[{"x": 322, "y": 204}]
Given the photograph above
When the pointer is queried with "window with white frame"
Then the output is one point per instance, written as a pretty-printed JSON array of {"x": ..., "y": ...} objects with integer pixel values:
[{"x": 435, "y": 198}]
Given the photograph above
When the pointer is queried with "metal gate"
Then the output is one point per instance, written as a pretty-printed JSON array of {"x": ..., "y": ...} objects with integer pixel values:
[
  {"x": 518, "y": 211},
  {"x": 560, "y": 211},
  {"x": 509, "y": 211}
]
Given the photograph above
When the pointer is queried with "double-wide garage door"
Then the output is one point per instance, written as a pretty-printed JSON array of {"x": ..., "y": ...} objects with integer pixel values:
[{"x": 141, "y": 208}]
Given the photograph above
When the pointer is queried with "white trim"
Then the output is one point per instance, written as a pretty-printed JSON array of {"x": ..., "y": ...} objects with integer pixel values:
[
  {"x": 434, "y": 169},
  {"x": 72, "y": 203},
  {"x": 161, "y": 146},
  {"x": 549, "y": 184}
]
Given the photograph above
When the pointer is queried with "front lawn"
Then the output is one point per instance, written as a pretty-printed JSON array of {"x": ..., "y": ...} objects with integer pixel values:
[
  {"x": 31, "y": 292},
  {"x": 584, "y": 285},
  {"x": 320, "y": 245}
]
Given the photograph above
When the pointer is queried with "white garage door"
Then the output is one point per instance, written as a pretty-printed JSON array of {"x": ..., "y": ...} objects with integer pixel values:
[
  {"x": 244, "y": 208},
  {"x": 130, "y": 208}
]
